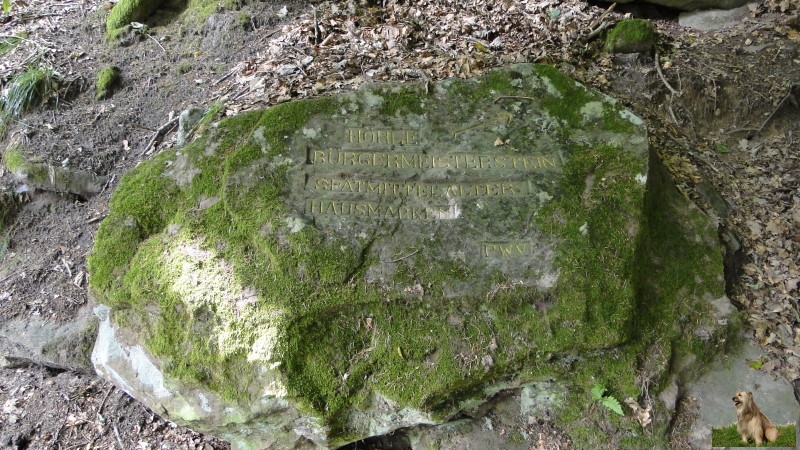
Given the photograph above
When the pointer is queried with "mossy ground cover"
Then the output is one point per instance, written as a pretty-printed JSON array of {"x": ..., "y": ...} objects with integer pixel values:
[
  {"x": 633, "y": 35},
  {"x": 199, "y": 243},
  {"x": 107, "y": 80},
  {"x": 729, "y": 437}
]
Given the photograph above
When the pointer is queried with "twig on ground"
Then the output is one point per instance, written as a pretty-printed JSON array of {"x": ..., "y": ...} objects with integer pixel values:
[
  {"x": 103, "y": 403},
  {"x": 119, "y": 440},
  {"x": 269, "y": 35},
  {"x": 8, "y": 277},
  {"x": 703, "y": 160},
  {"x": 108, "y": 183},
  {"x": 157, "y": 43},
  {"x": 226, "y": 76},
  {"x": 8, "y": 36},
  {"x": 161, "y": 130},
  {"x": 61, "y": 428},
  {"x": 402, "y": 257},
  {"x": 664, "y": 80},
  {"x": 602, "y": 16},
  {"x": 596, "y": 32},
  {"x": 513, "y": 96},
  {"x": 317, "y": 32}
]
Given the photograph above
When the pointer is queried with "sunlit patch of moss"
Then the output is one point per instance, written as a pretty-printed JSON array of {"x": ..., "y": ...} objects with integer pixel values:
[
  {"x": 404, "y": 101},
  {"x": 633, "y": 35},
  {"x": 107, "y": 80},
  {"x": 127, "y": 11},
  {"x": 192, "y": 13},
  {"x": 128, "y": 263},
  {"x": 598, "y": 242},
  {"x": 13, "y": 159}
]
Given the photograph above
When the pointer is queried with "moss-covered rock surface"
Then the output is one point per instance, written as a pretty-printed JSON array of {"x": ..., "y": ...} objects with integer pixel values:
[
  {"x": 632, "y": 36},
  {"x": 127, "y": 11},
  {"x": 107, "y": 80},
  {"x": 331, "y": 269}
]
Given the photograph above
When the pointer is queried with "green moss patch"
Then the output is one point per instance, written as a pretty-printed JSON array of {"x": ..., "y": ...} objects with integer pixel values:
[
  {"x": 127, "y": 11},
  {"x": 107, "y": 80},
  {"x": 191, "y": 13},
  {"x": 632, "y": 36}
]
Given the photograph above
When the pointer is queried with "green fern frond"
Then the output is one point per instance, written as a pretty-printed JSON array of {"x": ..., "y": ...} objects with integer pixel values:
[
  {"x": 597, "y": 392},
  {"x": 612, "y": 404}
]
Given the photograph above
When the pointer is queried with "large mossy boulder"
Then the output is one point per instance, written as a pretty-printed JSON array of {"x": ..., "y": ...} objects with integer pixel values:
[{"x": 331, "y": 269}]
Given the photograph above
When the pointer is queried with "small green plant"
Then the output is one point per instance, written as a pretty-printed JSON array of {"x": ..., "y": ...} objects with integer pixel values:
[
  {"x": 25, "y": 91},
  {"x": 608, "y": 401},
  {"x": 29, "y": 89},
  {"x": 8, "y": 43}
]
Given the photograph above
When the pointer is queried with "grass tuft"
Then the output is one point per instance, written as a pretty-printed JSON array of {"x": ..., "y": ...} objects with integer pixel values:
[{"x": 26, "y": 91}]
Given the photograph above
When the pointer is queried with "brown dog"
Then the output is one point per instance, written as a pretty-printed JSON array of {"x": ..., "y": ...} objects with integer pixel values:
[{"x": 752, "y": 422}]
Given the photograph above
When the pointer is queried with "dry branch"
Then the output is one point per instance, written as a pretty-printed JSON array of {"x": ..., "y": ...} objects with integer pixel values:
[{"x": 161, "y": 130}]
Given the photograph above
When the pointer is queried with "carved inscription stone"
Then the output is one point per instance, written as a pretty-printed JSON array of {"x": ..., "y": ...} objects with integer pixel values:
[
  {"x": 330, "y": 269},
  {"x": 449, "y": 178}
]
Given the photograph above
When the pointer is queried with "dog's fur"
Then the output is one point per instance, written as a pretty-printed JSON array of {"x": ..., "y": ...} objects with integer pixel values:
[{"x": 752, "y": 422}]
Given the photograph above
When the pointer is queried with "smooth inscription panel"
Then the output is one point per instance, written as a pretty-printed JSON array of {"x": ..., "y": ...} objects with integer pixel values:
[
  {"x": 446, "y": 181},
  {"x": 457, "y": 192},
  {"x": 363, "y": 179}
]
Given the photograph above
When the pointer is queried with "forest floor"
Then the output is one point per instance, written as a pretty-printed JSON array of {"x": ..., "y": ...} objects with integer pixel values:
[{"x": 721, "y": 106}]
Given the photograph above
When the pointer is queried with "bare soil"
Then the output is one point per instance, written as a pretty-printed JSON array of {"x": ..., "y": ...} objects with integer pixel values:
[{"x": 722, "y": 107}]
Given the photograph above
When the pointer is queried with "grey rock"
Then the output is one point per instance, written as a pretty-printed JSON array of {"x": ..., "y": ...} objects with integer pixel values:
[
  {"x": 715, "y": 19},
  {"x": 186, "y": 122},
  {"x": 35, "y": 340},
  {"x": 691, "y": 5}
]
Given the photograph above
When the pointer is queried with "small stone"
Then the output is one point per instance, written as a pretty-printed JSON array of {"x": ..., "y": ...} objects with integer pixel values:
[
  {"x": 287, "y": 69},
  {"x": 632, "y": 36}
]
